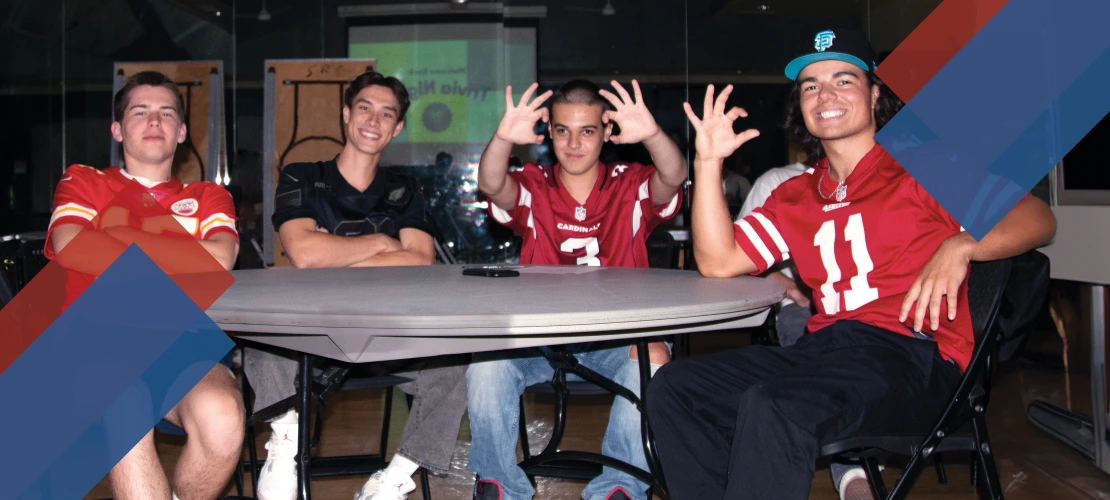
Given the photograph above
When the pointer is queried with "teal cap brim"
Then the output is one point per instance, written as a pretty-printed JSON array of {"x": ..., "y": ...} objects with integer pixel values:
[{"x": 796, "y": 65}]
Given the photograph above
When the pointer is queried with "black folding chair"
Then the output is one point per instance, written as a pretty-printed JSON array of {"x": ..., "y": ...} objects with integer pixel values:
[
  {"x": 551, "y": 462},
  {"x": 333, "y": 378},
  {"x": 962, "y": 426}
]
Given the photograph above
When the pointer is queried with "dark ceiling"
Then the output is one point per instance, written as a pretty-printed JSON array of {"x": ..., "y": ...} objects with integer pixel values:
[{"x": 656, "y": 37}]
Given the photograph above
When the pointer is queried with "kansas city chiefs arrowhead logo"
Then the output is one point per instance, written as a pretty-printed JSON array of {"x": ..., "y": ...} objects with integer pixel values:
[{"x": 188, "y": 206}]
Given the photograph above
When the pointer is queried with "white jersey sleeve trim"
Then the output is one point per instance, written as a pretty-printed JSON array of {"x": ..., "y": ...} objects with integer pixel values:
[
  {"x": 637, "y": 211},
  {"x": 671, "y": 207},
  {"x": 189, "y": 224},
  {"x": 504, "y": 217},
  {"x": 72, "y": 210},
  {"x": 774, "y": 233},
  {"x": 753, "y": 237},
  {"x": 499, "y": 214},
  {"x": 213, "y": 221}
]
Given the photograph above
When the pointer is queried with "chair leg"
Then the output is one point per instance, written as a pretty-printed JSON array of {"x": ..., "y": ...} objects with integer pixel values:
[
  {"x": 974, "y": 469},
  {"x": 304, "y": 460},
  {"x": 252, "y": 452},
  {"x": 938, "y": 463},
  {"x": 387, "y": 413},
  {"x": 425, "y": 488},
  {"x": 874, "y": 476},
  {"x": 522, "y": 430},
  {"x": 561, "y": 394},
  {"x": 238, "y": 476},
  {"x": 989, "y": 486}
]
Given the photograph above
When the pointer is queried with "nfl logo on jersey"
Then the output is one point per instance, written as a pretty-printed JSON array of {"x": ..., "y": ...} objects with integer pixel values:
[{"x": 580, "y": 214}]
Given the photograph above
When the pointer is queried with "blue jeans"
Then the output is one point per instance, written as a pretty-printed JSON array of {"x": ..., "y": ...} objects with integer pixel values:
[{"x": 495, "y": 382}]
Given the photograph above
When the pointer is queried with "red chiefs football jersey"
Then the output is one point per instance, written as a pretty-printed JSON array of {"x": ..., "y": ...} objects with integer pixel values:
[
  {"x": 610, "y": 229},
  {"x": 861, "y": 253},
  {"x": 85, "y": 196}
]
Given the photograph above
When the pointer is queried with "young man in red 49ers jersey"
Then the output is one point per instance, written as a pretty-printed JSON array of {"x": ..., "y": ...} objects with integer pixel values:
[
  {"x": 580, "y": 212},
  {"x": 877, "y": 251},
  {"x": 102, "y": 212}
]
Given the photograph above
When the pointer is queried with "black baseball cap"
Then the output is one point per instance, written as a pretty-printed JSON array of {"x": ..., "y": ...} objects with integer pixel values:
[{"x": 846, "y": 45}]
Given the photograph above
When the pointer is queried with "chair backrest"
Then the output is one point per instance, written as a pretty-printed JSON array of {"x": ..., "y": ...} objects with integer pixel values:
[
  {"x": 662, "y": 253},
  {"x": 22, "y": 256},
  {"x": 1023, "y": 301},
  {"x": 986, "y": 285},
  {"x": 443, "y": 252}
]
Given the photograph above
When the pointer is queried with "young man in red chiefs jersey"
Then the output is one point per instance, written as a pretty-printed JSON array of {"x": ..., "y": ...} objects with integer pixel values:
[
  {"x": 102, "y": 212},
  {"x": 579, "y": 212},
  {"x": 879, "y": 254}
]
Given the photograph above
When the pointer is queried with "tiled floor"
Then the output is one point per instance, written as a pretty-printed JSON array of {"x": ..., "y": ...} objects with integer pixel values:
[{"x": 1031, "y": 464}]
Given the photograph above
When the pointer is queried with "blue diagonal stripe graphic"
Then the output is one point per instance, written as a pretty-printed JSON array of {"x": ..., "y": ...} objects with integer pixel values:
[
  {"x": 130, "y": 318},
  {"x": 134, "y": 413},
  {"x": 1005, "y": 109}
]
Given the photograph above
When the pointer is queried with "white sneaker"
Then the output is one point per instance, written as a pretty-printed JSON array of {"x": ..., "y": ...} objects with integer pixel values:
[
  {"x": 278, "y": 479},
  {"x": 377, "y": 489},
  {"x": 854, "y": 485}
]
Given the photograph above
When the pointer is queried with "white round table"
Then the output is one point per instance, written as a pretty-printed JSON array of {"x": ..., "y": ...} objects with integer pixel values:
[{"x": 377, "y": 314}]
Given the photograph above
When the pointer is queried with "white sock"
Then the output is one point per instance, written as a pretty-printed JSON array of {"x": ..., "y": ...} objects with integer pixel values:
[
  {"x": 285, "y": 426},
  {"x": 289, "y": 417},
  {"x": 400, "y": 468}
]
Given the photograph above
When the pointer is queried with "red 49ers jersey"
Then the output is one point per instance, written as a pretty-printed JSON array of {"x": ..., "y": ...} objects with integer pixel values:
[
  {"x": 861, "y": 253},
  {"x": 610, "y": 229}
]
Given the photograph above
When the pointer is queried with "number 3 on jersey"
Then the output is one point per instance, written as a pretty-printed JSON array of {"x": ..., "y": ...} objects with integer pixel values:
[
  {"x": 572, "y": 245},
  {"x": 860, "y": 292}
]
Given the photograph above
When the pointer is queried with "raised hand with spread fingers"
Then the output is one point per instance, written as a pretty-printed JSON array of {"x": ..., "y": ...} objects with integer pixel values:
[
  {"x": 715, "y": 249},
  {"x": 517, "y": 127},
  {"x": 638, "y": 125}
]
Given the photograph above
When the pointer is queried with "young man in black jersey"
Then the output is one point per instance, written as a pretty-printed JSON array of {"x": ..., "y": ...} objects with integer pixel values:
[{"x": 348, "y": 212}]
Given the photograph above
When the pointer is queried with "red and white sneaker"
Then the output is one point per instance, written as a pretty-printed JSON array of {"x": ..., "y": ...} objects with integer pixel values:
[
  {"x": 487, "y": 490},
  {"x": 379, "y": 488},
  {"x": 618, "y": 493},
  {"x": 278, "y": 479}
]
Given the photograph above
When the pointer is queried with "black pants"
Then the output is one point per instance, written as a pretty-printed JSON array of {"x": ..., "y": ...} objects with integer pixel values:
[{"x": 780, "y": 403}]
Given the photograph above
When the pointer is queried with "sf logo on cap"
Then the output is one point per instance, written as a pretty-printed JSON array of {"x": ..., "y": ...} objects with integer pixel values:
[{"x": 823, "y": 40}]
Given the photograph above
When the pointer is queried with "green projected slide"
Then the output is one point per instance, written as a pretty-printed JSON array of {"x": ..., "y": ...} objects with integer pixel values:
[{"x": 456, "y": 86}]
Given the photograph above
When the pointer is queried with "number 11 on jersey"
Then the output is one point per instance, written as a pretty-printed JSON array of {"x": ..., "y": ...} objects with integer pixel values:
[{"x": 860, "y": 292}]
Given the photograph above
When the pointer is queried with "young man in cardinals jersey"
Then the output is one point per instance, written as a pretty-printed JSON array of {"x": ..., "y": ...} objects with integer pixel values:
[
  {"x": 350, "y": 212},
  {"x": 97, "y": 215},
  {"x": 879, "y": 254},
  {"x": 579, "y": 212}
]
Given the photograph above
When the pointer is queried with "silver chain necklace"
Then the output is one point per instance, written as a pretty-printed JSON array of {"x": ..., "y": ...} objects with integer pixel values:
[{"x": 840, "y": 192}]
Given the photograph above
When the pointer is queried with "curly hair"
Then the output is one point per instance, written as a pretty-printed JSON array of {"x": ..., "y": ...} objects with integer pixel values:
[{"x": 886, "y": 107}]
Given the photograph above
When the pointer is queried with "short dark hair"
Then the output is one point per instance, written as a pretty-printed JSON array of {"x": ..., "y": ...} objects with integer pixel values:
[
  {"x": 886, "y": 107},
  {"x": 374, "y": 78},
  {"x": 154, "y": 79},
  {"x": 581, "y": 92}
]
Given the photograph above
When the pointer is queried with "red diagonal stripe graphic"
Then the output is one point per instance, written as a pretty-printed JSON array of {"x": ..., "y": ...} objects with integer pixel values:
[
  {"x": 40, "y": 303},
  {"x": 933, "y": 43}
]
